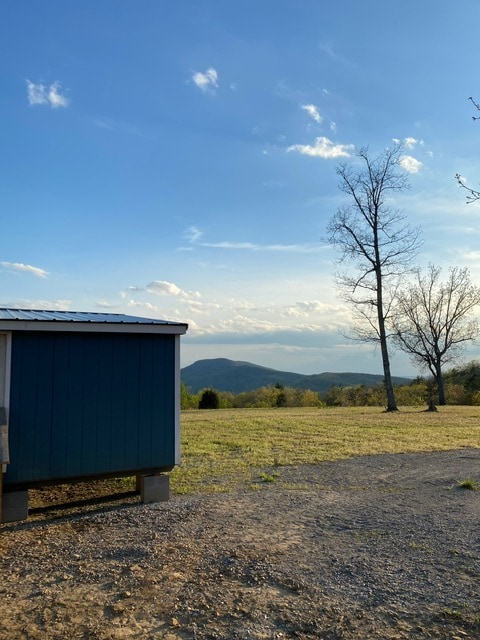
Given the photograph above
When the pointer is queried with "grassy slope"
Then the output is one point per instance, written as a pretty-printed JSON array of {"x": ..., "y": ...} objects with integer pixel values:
[{"x": 226, "y": 448}]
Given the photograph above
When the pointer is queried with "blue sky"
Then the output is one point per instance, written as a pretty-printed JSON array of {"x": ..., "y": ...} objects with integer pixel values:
[{"x": 176, "y": 159}]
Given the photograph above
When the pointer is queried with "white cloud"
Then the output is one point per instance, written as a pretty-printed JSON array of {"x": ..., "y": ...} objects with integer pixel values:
[
  {"x": 311, "y": 308},
  {"x": 146, "y": 306},
  {"x": 40, "y": 94},
  {"x": 161, "y": 287},
  {"x": 55, "y": 98},
  {"x": 19, "y": 266},
  {"x": 409, "y": 142},
  {"x": 59, "y": 305},
  {"x": 323, "y": 148},
  {"x": 313, "y": 112},
  {"x": 410, "y": 164},
  {"x": 207, "y": 81},
  {"x": 202, "y": 308},
  {"x": 333, "y": 127},
  {"x": 158, "y": 288}
]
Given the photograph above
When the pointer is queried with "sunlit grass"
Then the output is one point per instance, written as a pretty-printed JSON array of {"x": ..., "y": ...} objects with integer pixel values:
[{"x": 226, "y": 448}]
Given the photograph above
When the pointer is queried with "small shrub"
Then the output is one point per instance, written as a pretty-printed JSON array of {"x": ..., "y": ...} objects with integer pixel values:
[
  {"x": 268, "y": 477},
  {"x": 209, "y": 399},
  {"x": 468, "y": 484}
]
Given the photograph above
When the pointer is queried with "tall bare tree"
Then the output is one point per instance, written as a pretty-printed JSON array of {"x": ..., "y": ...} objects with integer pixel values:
[
  {"x": 433, "y": 322},
  {"x": 376, "y": 241}
]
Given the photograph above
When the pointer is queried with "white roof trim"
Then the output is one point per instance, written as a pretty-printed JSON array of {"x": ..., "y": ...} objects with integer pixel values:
[{"x": 92, "y": 327}]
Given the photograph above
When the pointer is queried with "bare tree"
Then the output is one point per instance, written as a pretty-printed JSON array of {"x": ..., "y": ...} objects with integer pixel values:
[
  {"x": 472, "y": 194},
  {"x": 376, "y": 241},
  {"x": 432, "y": 321}
]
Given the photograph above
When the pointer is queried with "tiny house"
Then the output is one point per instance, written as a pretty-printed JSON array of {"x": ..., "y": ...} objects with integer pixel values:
[{"x": 84, "y": 396}]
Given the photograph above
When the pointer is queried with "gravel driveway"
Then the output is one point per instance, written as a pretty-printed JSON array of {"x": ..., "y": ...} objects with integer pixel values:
[{"x": 373, "y": 547}]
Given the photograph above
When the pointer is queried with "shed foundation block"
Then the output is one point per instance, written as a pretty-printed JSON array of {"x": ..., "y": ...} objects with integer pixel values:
[
  {"x": 154, "y": 488},
  {"x": 14, "y": 506}
]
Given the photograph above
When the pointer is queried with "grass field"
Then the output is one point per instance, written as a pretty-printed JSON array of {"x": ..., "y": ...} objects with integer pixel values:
[{"x": 222, "y": 449}]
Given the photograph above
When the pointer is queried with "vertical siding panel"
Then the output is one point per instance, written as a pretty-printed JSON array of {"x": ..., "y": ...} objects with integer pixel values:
[
  {"x": 161, "y": 442},
  {"x": 75, "y": 405},
  {"x": 60, "y": 383},
  {"x": 118, "y": 401},
  {"x": 145, "y": 402},
  {"x": 90, "y": 404},
  {"x": 29, "y": 367},
  {"x": 132, "y": 395},
  {"x": 104, "y": 405},
  {"x": 170, "y": 399},
  {"x": 43, "y": 404},
  {"x": 157, "y": 418},
  {"x": 27, "y": 409}
]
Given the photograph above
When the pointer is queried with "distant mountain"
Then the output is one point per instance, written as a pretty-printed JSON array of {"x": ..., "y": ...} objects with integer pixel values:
[{"x": 229, "y": 375}]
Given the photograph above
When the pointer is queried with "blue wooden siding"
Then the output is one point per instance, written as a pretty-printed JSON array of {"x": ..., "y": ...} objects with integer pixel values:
[{"x": 89, "y": 404}]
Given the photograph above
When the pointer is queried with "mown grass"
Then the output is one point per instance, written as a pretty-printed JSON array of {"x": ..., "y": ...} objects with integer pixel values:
[{"x": 222, "y": 449}]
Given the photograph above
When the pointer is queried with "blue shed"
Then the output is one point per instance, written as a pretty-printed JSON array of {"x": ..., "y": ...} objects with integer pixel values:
[{"x": 86, "y": 395}]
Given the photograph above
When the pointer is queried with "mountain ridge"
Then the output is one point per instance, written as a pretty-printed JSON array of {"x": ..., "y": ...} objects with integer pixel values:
[{"x": 237, "y": 376}]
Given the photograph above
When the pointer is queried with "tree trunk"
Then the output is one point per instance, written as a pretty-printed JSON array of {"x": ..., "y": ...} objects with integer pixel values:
[
  {"x": 391, "y": 401},
  {"x": 440, "y": 385}
]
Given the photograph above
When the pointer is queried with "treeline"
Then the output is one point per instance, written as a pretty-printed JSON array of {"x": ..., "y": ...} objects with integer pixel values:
[{"x": 462, "y": 387}]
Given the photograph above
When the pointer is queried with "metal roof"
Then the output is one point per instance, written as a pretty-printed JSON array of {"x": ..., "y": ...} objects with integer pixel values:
[{"x": 38, "y": 318}]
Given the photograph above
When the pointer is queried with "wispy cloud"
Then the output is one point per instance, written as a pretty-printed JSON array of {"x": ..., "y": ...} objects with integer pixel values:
[
  {"x": 25, "y": 268},
  {"x": 206, "y": 82},
  {"x": 411, "y": 164},
  {"x": 328, "y": 50},
  {"x": 40, "y": 94},
  {"x": 116, "y": 125},
  {"x": 323, "y": 148},
  {"x": 313, "y": 112},
  {"x": 250, "y": 246},
  {"x": 193, "y": 234},
  {"x": 195, "y": 237}
]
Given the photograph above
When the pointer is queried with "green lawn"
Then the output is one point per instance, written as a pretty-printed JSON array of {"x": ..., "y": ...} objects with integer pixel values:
[{"x": 226, "y": 448}]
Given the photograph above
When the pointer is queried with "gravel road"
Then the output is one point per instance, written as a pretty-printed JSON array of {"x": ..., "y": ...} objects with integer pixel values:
[{"x": 373, "y": 547}]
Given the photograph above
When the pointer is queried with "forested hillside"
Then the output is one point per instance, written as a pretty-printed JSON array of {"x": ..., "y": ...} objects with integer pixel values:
[{"x": 237, "y": 377}]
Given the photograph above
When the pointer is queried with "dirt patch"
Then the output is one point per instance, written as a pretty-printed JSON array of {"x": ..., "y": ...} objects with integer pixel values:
[{"x": 373, "y": 547}]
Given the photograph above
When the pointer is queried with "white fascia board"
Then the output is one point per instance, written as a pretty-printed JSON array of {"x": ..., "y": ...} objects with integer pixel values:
[
  {"x": 178, "y": 454},
  {"x": 92, "y": 327}
]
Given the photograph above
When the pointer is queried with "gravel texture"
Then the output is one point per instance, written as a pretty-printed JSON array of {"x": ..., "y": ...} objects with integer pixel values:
[{"x": 374, "y": 547}]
